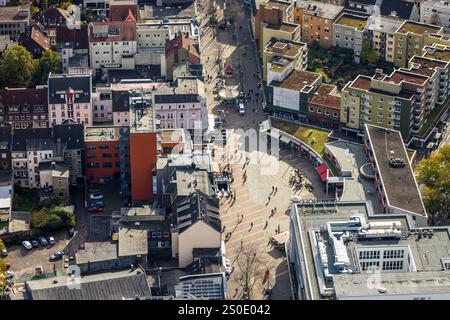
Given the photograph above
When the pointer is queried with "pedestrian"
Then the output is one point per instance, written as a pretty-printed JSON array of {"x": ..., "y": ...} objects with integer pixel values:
[
  {"x": 251, "y": 225},
  {"x": 268, "y": 199},
  {"x": 273, "y": 189},
  {"x": 267, "y": 223}
]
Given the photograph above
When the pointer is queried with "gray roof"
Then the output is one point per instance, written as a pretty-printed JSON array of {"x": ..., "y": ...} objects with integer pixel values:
[
  {"x": 39, "y": 144},
  {"x": 186, "y": 90},
  {"x": 104, "y": 286},
  {"x": 120, "y": 101},
  {"x": 21, "y": 136},
  {"x": 185, "y": 181},
  {"x": 399, "y": 183},
  {"x": 59, "y": 84},
  {"x": 97, "y": 251},
  {"x": 198, "y": 206},
  {"x": 132, "y": 242},
  {"x": 70, "y": 133},
  {"x": 402, "y": 9},
  {"x": 204, "y": 286}
]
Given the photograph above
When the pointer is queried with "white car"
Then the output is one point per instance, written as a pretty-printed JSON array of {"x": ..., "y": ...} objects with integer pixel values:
[
  {"x": 241, "y": 108},
  {"x": 9, "y": 274},
  {"x": 27, "y": 245},
  {"x": 96, "y": 196}
]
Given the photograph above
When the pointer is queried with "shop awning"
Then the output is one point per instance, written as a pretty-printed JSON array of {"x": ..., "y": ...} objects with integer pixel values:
[
  {"x": 323, "y": 176},
  {"x": 321, "y": 168}
]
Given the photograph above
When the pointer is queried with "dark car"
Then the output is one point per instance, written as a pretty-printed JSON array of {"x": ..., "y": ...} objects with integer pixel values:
[
  {"x": 95, "y": 209},
  {"x": 56, "y": 256},
  {"x": 71, "y": 231},
  {"x": 35, "y": 243},
  {"x": 97, "y": 203},
  {"x": 43, "y": 241}
]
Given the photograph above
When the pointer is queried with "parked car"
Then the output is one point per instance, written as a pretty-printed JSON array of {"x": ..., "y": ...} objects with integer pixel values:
[
  {"x": 51, "y": 240},
  {"x": 43, "y": 241},
  {"x": 241, "y": 108},
  {"x": 27, "y": 245},
  {"x": 97, "y": 203},
  {"x": 95, "y": 209},
  {"x": 4, "y": 252},
  {"x": 9, "y": 274},
  {"x": 217, "y": 122},
  {"x": 71, "y": 231},
  {"x": 96, "y": 196},
  {"x": 56, "y": 256},
  {"x": 35, "y": 243}
]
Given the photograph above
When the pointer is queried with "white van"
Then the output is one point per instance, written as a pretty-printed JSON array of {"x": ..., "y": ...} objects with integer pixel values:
[{"x": 241, "y": 108}]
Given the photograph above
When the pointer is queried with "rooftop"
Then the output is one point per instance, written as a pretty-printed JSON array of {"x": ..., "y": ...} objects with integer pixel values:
[
  {"x": 328, "y": 96},
  {"x": 399, "y": 183},
  {"x": 284, "y": 48},
  {"x": 298, "y": 80},
  {"x": 418, "y": 28},
  {"x": 132, "y": 242},
  {"x": 320, "y": 9},
  {"x": 357, "y": 22},
  {"x": 103, "y": 286},
  {"x": 186, "y": 90},
  {"x": 402, "y": 75},
  {"x": 335, "y": 238},
  {"x": 426, "y": 66},
  {"x": 96, "y": 251},
  {"x": 365, "y": 83},
  {"x": 102, "y": 133},
  {"x": 383, "y": 24},
  {"x": 15, "y": 14},
  {"x": 284, "y": 26},
  {"x": 437, "y": 52},
  {"x": 203, "y": 286},
  {"x": 172, "y": 136},
  {"x": 274, "y": 4}
]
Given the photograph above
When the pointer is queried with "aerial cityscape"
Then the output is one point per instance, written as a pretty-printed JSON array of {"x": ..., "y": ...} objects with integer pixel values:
[{"x": 224, "y": 150}]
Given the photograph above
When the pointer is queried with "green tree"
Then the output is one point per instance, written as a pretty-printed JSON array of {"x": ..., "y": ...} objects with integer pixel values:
[
  {"x": 340, "y": 83},
  {"x": 2, "y": 245},
  {"x": 16, "y": 67},
  {"x": 434, "y": 173},
  {"x": 67, "y": 217},
  {"x": 39, "y": 219},
  {"x": 50, "y": 61},
  {"x": 368, "y": 54},
  {"x": 54, "y": 222}
]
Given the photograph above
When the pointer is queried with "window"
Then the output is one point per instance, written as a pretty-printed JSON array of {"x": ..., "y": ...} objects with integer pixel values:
[
  {"x": 107, "y": 165},
  {"x": 393, "y": 265}
]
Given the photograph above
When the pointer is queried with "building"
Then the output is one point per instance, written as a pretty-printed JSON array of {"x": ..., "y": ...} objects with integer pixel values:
[
  {"x": 54, "y": 176},
  {"x": 345, "y": 251},
  {"x": 198, "y": 226},
  {"x": 102, "y": 105},
  {"x": 210, "y": 286},
  {"x": 113, "y": 44},
  {"x": 380, "y": 33},
  {"x": 411, "y": 37},
  {"x": 316, "y": 20},
  {"x": 435, "y": 12},
  {"x": 400, "y": 9},
  {"x": 107, "y": 153},
  {"x": 362, "y": 6},
  {"x": 324, "y": 106},
  {"x": 14, "y": 20},
  {"x": 181, "y": 48},
  {"x": 73, "y": 46},
  {"x": 118, "y": 285},
  {"x": 288, "y": 96},
  {"x": 24, "y": 107},
  {"x": 348, "y": 32},
  {"x": 143, "y": 148},
  {"x": 5, "y": 146},
  {"x": 396, "y": 185},
  {"x": 399, "y": 101},
  {"x": 54, "y": 17},
  {"x": 35, "y": 41},
  {"x": 70, "y": 97},
  {"x": 98, "y": 7},
  {"x": 182, "y": 106},
  {"x": 279, "y": 54},
  {"x": 68, "y": 138}
]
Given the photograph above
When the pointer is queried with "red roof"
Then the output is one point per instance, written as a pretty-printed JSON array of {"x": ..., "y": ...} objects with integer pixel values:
[
  {"x": 228, "y": 69},
  {"x": 130, "y": 17}
]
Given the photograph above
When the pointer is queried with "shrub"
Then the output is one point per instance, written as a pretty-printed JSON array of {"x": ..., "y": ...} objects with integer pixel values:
[
  {"x": 39, "y": 219},
  {"x": 54, "y": 222}
]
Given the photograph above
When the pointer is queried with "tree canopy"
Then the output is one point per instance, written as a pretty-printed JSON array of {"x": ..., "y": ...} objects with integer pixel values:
[
  {"x": 17, "y": 66},
  {"x": 434, "y": 173},
  {"x": 50, "y": 61},
  {"x": 368, "y": 54}
]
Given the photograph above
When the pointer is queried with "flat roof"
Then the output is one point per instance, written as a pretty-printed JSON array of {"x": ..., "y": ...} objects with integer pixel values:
[
  {"x": 102, "y": 133},
  {"x": 97, "y": 251},
  {"x": 418, "y": 28},
  {"x": 426, "y": 66},
  {"x": 364, "y": 83},
  {"x": 274, "y": 4},
  {"x": 438, "y": 52},
  {"x": 327, "y": 96},
  {"x": 292, "y": 48},
  {"x": 297, "y": 80},
  {"x": 357, "y": 22},
  {"x": 402, "y": 75},
  {"x": 172, "y": 136},
  {"x": 321, "y": 9},
  {"x": 383, "y": 24},
  {"x": 132, "y": 242},
  {"x": 284, "y": 26},
  {"x": 399, "y": 183}
]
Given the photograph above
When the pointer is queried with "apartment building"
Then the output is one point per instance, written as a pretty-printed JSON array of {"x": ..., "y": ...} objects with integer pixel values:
[
  {"x": 435, "y": 12},
  {"x": 380, "y": 33},
  {"x": 411, "y": 37},
  {"x": 348, "y": 32},
  {"x": 102, "y": 105},
  {"x": 107, "y": 153},
  {"x": 281, "y": 53},
  {"x": 345, "y": 251},
  {"x": 183, "y": 106},
  {"x": 5, "y": 146},
  {"x": 70, "y": 97},
  {"x": 316, "y": 20},
  {"x": 97, "y": 6},
  {"x": 24, "y": 107},
  {"x": 288, "y": 95},
  {"x": 396, "y": 186},
  {"x": 324, "y": 106},
  {"x": 113, "y": 44},
  {"x": 72, "y": 44},
  {"x": 181, "y": 48},
  {"x": 399, "y": 101},
  {"x": 14, "y": 20}
]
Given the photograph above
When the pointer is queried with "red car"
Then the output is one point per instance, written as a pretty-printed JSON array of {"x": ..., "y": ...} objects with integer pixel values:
[{"x": 95, "y": 209}]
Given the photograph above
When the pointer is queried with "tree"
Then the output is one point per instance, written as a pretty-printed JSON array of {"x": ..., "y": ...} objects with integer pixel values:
[
  {"x": 340, "y": 83},
  {"x": 67, "y": 217},
  {"x": 86, "y": 15},
  {"x": 250, "y": 268},
  {"x": 65, "y": 4},
  {"x": 16, "y": 67},
  {"x": 54, "y": 222},
  {"x": 434, "y": 173},
  {"x": 39, "y": 219},
  {"x": 368, "y": 54},
  {"x": 50, "y": 61},
  {"x": 2, "y": 245}
]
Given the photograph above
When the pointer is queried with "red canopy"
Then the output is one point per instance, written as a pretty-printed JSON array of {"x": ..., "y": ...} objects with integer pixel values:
[
  {"x": 323, "y": 176},
  {"x": 228, "y": 70},
  {"x": 321, "y": 168}
]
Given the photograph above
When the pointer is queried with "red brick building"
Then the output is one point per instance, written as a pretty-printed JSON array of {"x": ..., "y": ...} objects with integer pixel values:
[{"x": 325, "y": 106}]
